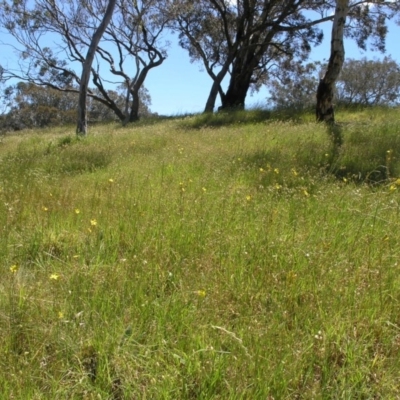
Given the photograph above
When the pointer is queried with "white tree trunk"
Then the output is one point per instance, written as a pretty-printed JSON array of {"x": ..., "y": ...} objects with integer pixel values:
[
  {"x": 326, "y": 85},
  {"x": 82, "y": 117}
]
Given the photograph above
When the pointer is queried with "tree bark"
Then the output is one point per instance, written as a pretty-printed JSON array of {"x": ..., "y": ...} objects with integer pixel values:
[
  {"x": 247, "y": 59},
  {"x": 82, "y": 116},
  {"x": 239, "y": 84},
  {"x": 134, "y": 114},
  {"x": 134, "y": 91},
  {"x": 216, "y": 88},
  {"x": 236, "y": 94},
  {"x": 212, "y": 97},
  {"x": 326, "y": 87}
]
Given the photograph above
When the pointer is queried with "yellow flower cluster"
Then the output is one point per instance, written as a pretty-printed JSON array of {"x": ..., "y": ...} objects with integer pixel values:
[{"x": 14, "y": 269}]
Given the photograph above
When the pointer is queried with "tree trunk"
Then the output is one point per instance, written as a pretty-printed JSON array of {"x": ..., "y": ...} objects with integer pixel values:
[
  {"x": 239, "y": 84},
  {"x": 134, "y": 114},
  {"x": 212, "y": 97},
  {"x": 216, "y": 88},
  {"x": 326, "y": 87},
  {"x": 82, "y": 116},
  {"x": 237, "y": 91}
]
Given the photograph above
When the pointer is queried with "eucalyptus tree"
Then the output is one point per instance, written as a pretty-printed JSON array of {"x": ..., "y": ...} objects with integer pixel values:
[
  {"x": 369, "y": 82},
  {"x": 87, "y": 66},
  {"x": 245, "y": 39},
  {"x": 26, "y": 105},
  {"x": 365, "y": 82},
  {"x": 208, "y": 38},
  {"x": 294, "y": 88},
  {"x": 326, "y": 87},
  {"x": 51, "y": 39},
  {"x": 366, "y": 20}
]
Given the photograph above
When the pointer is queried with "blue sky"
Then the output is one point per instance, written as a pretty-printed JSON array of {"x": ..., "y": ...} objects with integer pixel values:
[{"x": 179, "y": 87}]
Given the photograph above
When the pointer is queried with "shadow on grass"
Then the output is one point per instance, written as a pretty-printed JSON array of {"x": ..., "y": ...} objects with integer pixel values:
[
  {"x": 368, "y": 155},
  {"x": 357, "y": 153},
  {"x": 223, "y": 118},
  {"x": 236, "y": 117},
  {"x": 335, "y": 132}
]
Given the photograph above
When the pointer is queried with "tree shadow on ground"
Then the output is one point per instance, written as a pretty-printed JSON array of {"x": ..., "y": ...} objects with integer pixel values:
[
  {"x": 356, "y": 154},
  {"x": 240, "y": 117}
]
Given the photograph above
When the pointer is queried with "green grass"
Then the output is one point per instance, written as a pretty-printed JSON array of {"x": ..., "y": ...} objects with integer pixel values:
[{"x": 236, "y": 256}]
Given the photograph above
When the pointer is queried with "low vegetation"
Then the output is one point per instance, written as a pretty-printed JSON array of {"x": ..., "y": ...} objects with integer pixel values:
[{"x": 219, "y": 257}]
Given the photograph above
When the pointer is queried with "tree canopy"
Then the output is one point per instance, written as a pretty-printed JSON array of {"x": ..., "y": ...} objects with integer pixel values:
[
  {"x": 248, "y": 43},
  {"x": 53, "y": 37},
  {"x": 27, "y": 105},
  {"x": 361, "y": 82},
  {"x": 250, "y": 40}
]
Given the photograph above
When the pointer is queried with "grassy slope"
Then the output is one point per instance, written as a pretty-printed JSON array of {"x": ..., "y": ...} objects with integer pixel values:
[{"x": 245, "y": 259}]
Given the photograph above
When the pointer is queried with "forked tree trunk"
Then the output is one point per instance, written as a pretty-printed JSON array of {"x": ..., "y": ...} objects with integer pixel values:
[
  {"x": 242, "y": 72},
  {"x": 87, "y": 66},
  {"x": 236, "y": 94},
  {"x": 215, "y": 89},
  {"x": 212, "y": 97},
  {"x": 238, "y": 87},
  {"x": 326, "y": 87}
]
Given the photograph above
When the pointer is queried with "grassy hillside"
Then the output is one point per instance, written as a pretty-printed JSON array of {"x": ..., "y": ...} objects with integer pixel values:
[{"x": 236, "y": 256}]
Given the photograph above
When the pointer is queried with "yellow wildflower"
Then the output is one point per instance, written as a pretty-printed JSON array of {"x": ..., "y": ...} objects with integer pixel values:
[
  {"x": 201, "y": 293},
  {"x": 14, "y": 269},
  {"x": 45, "y": 208},
  {"x": 77, "y": 211},
  {"x": 54, "y": 277},
  {"x": 111, "y": 180},
  {"x": 93, "y": 222}
]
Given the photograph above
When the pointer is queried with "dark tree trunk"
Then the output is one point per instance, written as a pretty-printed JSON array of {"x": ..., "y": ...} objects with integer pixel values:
[
  {"x": 216, "y": 88},
  {"x": 212, "y": 97},
  {"x": 235, "y": 96},
  {"x": 133, "y": 91},
  {"x": 325, "y": 93},
  {"x": 326, "y": 87},
  {"x": 82, "y": 116},
  {"x": 242, "y": 71},
  {"x": 134, "y": 114}
]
